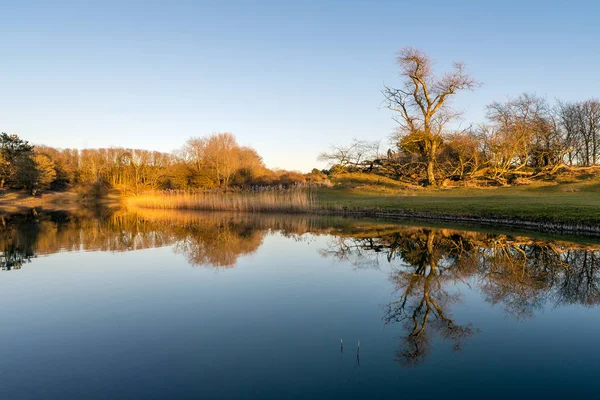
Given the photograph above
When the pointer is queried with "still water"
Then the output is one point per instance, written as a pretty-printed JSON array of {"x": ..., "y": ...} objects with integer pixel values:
[{"x": 159, "y": 305}]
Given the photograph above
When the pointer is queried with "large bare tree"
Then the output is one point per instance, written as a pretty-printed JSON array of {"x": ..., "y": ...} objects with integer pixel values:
[{"x": 422, "y": 105}]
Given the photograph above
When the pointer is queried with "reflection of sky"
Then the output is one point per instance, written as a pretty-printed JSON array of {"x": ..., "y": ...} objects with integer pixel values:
[{"x": 147, "y": 324}]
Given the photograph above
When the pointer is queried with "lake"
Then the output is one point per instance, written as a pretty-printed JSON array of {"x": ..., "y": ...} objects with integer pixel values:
[{"x": 113, "y": 304}]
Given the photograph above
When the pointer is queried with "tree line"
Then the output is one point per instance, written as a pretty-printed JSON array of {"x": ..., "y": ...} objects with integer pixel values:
[
  {"x": 521, "y": 137},
  {"x": 214, "y": 161}
]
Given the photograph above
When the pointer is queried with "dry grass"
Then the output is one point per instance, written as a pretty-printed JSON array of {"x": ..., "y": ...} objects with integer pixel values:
[
  {"x": 262, "y": 200},
  {"x": 367, "y": 182}
]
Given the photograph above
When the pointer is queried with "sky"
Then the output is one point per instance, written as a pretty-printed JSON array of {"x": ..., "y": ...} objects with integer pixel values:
[{"x": 289, "y": 78}]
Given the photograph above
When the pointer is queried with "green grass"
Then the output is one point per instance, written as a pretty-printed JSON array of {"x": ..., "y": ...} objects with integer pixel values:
[{"x": 571, "y": 200}]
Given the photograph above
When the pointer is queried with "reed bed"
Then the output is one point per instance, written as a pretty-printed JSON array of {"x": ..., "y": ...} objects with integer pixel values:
[{"x": 292, "y": 200}]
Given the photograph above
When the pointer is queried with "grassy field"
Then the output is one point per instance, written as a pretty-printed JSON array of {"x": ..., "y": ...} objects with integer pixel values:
[{"x": 571, "y": 199}]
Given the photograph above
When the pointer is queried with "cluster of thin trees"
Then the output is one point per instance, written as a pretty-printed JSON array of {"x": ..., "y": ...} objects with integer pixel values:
[
  {"x": 215, "y": 161},
  {"x": 522, "y": 137}
]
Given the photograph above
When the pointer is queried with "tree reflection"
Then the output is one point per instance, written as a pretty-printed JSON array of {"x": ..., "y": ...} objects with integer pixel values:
[
  {"x": 520, "y": 274},
  {"x": 220, "y": 244},
  {"x": 424, "y": 302},
  {"x": 17, "y": 240},
  {"x": 204, "y": 239}
]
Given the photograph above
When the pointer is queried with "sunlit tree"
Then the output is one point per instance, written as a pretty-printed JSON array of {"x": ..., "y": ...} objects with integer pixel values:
[{"x": 422, "y": 105}]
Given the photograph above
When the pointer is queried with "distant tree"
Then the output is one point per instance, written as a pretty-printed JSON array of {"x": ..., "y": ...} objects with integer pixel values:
[
  {"x": 46, "y": 171},
  {"x": 66, "y": 164},
  {"x": 36, "y": 173},
  {"x": 178, "y": 176},
  {"x": 250, "y": 168},
  {"x": 422, "y": 105},
  {"x": 222, "y": 157},
  {"x": 217, "y": 159},
  {"x": 580, "y": 122},
  {"x": 357, "y": 155},
  {"x": 529, "y": 123},
  {"x": 94, "y": 166},
  {"x": 13, "y": 152}
]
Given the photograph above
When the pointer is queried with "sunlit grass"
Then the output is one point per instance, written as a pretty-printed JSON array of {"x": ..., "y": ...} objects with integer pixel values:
[{"x": 564, "y": 203}]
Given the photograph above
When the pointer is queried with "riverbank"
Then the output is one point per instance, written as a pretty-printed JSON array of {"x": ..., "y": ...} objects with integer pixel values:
[
  {"x": 571, "y": 207},
  {"x": 16, "y": 201},
  {"x": 555, "y": 207}
]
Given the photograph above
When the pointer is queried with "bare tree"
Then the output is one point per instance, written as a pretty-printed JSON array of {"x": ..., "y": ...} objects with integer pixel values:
[
  {"x": 358, "y": 154},
  {"x": 217, "y": 158},
  {"x": 581, "y": 124},
  {"x": 528, "y": 122},
  {"x": 422, "y": 104}
]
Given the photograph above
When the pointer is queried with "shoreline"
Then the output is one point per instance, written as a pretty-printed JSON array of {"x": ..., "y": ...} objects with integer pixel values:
[
  {"x": 15, "y": 202},
  {"x": 555, "y": 227},
  {"x": 537, "y": 226}
]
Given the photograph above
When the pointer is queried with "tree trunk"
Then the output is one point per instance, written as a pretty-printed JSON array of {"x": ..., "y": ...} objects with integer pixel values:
[
  {"x": 432, "y": 150},
  {"x": 431, "y": 172}
]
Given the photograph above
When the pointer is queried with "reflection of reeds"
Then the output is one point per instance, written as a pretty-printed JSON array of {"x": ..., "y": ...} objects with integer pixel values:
[{"x": 295, "y": 199}]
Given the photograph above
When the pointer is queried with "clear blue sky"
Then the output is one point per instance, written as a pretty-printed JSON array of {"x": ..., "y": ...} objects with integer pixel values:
[{"x": 288, "y": 78}]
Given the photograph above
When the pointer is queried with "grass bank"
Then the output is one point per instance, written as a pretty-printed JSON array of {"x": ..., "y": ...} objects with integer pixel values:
[{"x": 567, "y": 205}]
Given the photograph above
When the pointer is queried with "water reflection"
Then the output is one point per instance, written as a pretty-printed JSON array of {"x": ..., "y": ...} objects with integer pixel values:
[
  {"x": 521, "y": 274},
  {"x": 215, "y": 240},
  {"x": 25, "y": 236},
  {"x": 428, "y": 265}
]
